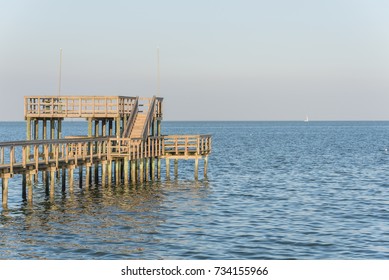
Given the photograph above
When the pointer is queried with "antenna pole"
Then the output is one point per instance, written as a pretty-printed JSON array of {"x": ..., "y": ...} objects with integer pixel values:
[
  {"x": 158, "y": 75},
  {"x": 60, "y": 70}
]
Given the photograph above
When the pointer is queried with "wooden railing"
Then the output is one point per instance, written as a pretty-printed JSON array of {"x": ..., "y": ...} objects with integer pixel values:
[
  {"x": 187, "y": 145},
  {"x": 23, "y": 155},
  {"x": 15, "y": 157},
  {"x": 136, "y": 148},
  {"x": 149, "y": 118},
  {"x": 77, "y": 106},
  {"x": 158, "y": 108},
  {"x": 131, "y": 119}
]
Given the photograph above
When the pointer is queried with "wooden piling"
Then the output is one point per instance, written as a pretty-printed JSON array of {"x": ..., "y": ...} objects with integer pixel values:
[
  {"x": 28, "y": 132},
  {"x": 4, "y": 191},
  {"x": 96, "y": 170},
  {"x": 36, "y": 129},
  {"x": 152, "y": 171},
  {"x": 52, "y": 181},
  {"x": 52, "y": 129},
  {"x": 71, "y": 177},
  {"x": 59, "y": 129},
  {"x": 30, "y": 189},
  {"x": 80, "y": 171},
  {"x": 159, "y": 168},
  {"x": 133, "y": 171},
  {"x": 110, "y": 128},
  {"x": 167, "y": 168},
  {"x": 103, "y": 173},
  {"x": 89, "y": 127},
  {"x": 126, "y": 171},
  {"x": 205, "y": 167},
  {"x": 87, "y": 175},
  {"x": 147, "y": 169},
  {"x": 47, "y": 182},
  {"x": 109, "y": 178},
  {"x": 117, "y": 172},
  {"x": 141, "y": 170},
  {"x": 175, "y": 168},
  {"x": 63, "y": 179},
  {"x": 24, "y": 186},
  {"x": 44, "y": 129}
]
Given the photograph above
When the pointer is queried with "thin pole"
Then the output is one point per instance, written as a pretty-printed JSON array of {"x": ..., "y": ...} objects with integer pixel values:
[
  {"x": 60, "y": 70},
  {"x": 158, "y": 75}
]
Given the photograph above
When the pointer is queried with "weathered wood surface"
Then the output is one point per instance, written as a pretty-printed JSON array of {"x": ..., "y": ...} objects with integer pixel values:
[
  {"x": 84, "y": 106},
  {"x": 19, "y": 156},
  {"x": 78, "y": 106}
]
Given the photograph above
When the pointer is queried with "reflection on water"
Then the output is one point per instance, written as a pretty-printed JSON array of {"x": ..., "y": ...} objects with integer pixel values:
[{"x": 109, "y": 223}]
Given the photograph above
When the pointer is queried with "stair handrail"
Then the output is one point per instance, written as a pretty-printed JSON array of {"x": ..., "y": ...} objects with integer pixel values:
[
  {"x": 149, "y": 117},
  {"x": 131, "y": 119}
]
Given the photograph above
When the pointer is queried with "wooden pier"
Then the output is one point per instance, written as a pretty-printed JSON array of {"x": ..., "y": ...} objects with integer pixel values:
[{"x": 123, "y": 144}]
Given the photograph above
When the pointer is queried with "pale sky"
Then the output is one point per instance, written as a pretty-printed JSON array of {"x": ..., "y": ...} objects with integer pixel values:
[{"x": 220, "y": 60}]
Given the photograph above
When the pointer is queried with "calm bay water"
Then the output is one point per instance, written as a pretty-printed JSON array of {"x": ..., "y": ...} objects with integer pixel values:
[{"x": 275, "y": 190}]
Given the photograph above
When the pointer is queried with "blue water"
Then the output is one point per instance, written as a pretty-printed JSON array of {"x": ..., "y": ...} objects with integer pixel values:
[{"x": 275, "y": 190}]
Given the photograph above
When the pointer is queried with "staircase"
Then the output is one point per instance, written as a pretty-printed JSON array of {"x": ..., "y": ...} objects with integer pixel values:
[
  {"x": 140, "y": 118},
  {"x": 137, "y": 130}
]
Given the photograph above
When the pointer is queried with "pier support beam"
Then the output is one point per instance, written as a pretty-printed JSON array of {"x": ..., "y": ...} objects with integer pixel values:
[
  {"x": 118, "y": 127},
  {"x": 52, "y": 129},
  {"x": 44, "y": 130},
  {"x": 36, "y": 129},
  {"x": 52, "y": 181},
  {"x": 147, "y": 169},
  {"x": 133, "y": 171},
  {"x": 24, "y": 187},
  {"x": 89, "y": 127},
  {"x": 88, "y": 175},
  {"x": 28, "y": 130},
  {"x": 167, "y": 168},
  {"x": 152, "y": 171},
  {"x": 71, "y": 177},
  {"x": 103, "y": 173},
  {"x": 110, "y": 128},
  {"x": 117, "y": 172},
  {"x": 28, "y": 136},
  {"x": 176, "y": 168},
  {"x": 196, "y": 169},
  {"x": 4, "y": 190},
  {"x": 59, "y": 129},
  {"x": 126, "y": 171},
  {"x": 205, "y": 166},
  {"x": 29, "y": 187},
  {"x": 63, "y": 179},
  {"x": 109, "y": 177},
  {"x": 96, "y": 170},
  {"x": 141, "y": 170},
  {"x": 46, "y": 181},
  {"x": 159, "y": 169},
  {"x": 80, "y": 171}
]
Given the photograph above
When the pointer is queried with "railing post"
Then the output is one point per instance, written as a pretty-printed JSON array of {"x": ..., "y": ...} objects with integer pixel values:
[{"x": 12, "y": 159}]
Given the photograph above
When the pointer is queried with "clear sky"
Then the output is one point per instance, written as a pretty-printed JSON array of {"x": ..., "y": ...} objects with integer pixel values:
[{"x": 220, "y": 60}]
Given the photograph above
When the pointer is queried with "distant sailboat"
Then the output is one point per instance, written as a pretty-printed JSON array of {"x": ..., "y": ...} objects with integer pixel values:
[{"x": 306, "y": 119}]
